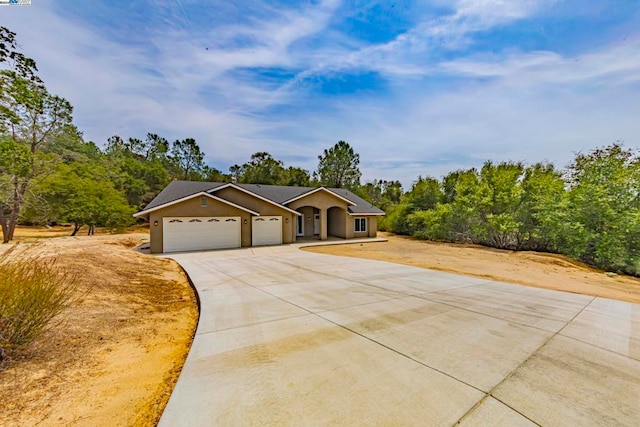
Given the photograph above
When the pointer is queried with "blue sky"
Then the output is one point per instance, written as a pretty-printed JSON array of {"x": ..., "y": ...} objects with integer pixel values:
[{"x": 416, "y": 87}]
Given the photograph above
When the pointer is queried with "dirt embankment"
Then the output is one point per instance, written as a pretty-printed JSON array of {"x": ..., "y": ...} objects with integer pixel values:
[
  {"x": 116, "y": 356},
  {"x": 526, "y": 268}
]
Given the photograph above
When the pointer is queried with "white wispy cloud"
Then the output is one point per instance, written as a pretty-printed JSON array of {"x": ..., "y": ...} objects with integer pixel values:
[{"x": 520, "y": 105}]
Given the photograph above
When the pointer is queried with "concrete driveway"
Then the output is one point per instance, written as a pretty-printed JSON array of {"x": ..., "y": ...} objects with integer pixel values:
[{"x": 293, "y": 338}]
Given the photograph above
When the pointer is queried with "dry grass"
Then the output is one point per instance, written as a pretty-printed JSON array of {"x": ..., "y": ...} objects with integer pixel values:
[
  {"x": 117, "y": 356},
  {"x": 33, "y": 293}
]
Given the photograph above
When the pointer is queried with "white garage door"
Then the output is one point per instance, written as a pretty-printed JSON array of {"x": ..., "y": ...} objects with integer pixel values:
[
  {"x": 199, "y": 233},
  {"x": 266, "y": 230}
]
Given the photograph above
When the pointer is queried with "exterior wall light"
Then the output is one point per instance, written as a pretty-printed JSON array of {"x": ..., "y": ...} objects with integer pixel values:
[
  {"x": 286, "y": 220},
  {"x": 155, "y": 223},
  {"x": 246, "y": 221}
]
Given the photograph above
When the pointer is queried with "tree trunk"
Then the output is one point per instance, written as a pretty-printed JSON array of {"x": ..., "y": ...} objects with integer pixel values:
[
  {"x": 19, "y": 190},
  {"x": 91, "y": 230},
  {"x": 3, "y": 223},
  {"x": 76, "y": 228}
]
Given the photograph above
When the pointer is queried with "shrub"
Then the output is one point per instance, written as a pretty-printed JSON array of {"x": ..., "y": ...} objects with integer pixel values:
[
  {"x": 430, "y": 224},
  {"x": 396, "y": 219},
  {"x": 32, "y": 295}
]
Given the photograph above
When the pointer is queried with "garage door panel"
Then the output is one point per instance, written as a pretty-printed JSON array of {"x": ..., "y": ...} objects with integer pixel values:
[
  {"x": 266, "y": 230},
  {"x": 200, "y": 233}
]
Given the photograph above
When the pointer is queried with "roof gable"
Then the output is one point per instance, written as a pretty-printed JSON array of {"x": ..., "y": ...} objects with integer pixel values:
[{"x": 313, "y": 191}]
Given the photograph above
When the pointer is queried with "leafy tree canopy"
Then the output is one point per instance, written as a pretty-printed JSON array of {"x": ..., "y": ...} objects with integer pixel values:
[{"x": 338, "y": 167}]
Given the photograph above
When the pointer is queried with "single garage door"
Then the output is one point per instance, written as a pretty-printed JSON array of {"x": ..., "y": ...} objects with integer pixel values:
[
  {"x": 266, "y": 230},
  {"x": 199, "y": 233}
]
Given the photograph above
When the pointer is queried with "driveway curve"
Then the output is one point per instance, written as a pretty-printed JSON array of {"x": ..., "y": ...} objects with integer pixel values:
[{"x": 288, "y": 337}]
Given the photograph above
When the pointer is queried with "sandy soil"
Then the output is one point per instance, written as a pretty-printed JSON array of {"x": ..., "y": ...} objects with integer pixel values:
[
  {"x": 526, "y": 268},
  {"x": 116, "y": 355},
  {"x": 115, "y": 358}
]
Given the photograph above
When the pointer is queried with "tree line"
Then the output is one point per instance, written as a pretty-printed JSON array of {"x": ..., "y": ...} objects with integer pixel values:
[{"x": 589, "y": 211}]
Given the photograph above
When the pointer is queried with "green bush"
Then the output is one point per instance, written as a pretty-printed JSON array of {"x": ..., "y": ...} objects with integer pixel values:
[
  {"x": 432, "y": 224},
  {"x": 396, "y": 219},
  {"x": 33, "y": 293}
]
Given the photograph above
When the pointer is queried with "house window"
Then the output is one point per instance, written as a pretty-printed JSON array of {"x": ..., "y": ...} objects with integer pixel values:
[
  {"x": 203, "y": 201},
  {"x": 361, "y": 224}
]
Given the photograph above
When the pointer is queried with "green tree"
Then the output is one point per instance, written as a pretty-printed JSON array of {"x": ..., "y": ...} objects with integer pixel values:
[
  {"x": 296, "y": 177},
  {"x": 500, "y": 195},
  {"x": 382, "y": 193},
  {"x": 338, "y": 167},
  {"x": 80, "y": 192},
  {"x": 156, "y": 147},
  {"x": 235, "y": 172},
  {"x": 424, "y": 194},
  {"x": 212, "y": 174},
  {"x": 391, "y": 192},
  {"x": 29, "y": 116},
  {"x": 262, "y": 169},
  {"x": 140, "y": 168},
  {"x": 604, "y": 206},
  {"x": 188, "y": 158},
  {"x": 449, "y": 183},
  {"x": 542, "y": 213},
  {"x": 372, "y": 192},
  {"x": 17, "y": 61},
  {"x": 465, "y": 222}
]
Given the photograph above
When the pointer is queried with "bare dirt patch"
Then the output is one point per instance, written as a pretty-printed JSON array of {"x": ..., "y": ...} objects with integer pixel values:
[
  {"x": 116, "y": 356},
  {"x": 541, "y": 270}
]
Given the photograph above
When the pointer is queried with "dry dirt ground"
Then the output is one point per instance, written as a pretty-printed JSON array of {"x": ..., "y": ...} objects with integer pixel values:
[
  {"x": 114, "y": 358},
  {"x": 526, "y": 268}
]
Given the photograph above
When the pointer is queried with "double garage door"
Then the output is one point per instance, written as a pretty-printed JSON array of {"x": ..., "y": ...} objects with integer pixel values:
[{"x": 202, "y": 233}]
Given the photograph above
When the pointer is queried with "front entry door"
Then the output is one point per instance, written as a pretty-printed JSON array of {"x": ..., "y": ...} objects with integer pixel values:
[
  {"x": 316, "y": 224},
  {"x": 300, "y": 226}
]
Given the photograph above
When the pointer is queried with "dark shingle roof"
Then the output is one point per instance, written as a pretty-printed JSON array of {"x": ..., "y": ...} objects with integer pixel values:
[
  {"x": 361, "y": 207},
  {"x": 277, "y": 193},
  {"x": 179, "y": 189},
  {"x": 281, "y": 194}
]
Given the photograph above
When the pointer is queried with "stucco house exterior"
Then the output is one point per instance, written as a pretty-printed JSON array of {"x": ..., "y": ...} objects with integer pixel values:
[{"x": 190, "y": 215}]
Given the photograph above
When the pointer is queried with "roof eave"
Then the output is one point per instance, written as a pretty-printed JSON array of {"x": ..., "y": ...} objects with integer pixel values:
[{"x": 366, "y": 214}]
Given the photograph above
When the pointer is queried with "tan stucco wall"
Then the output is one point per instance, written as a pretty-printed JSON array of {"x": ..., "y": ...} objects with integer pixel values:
[
  {"x": 307, "y": 212},
  {"x": 192, "y": 207},
  {"x": 372, "y": 226},
  {"x": 263, "y": 208},
  {"x": 351, "y": 226},
  {"x": 337, "y": 222}
]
